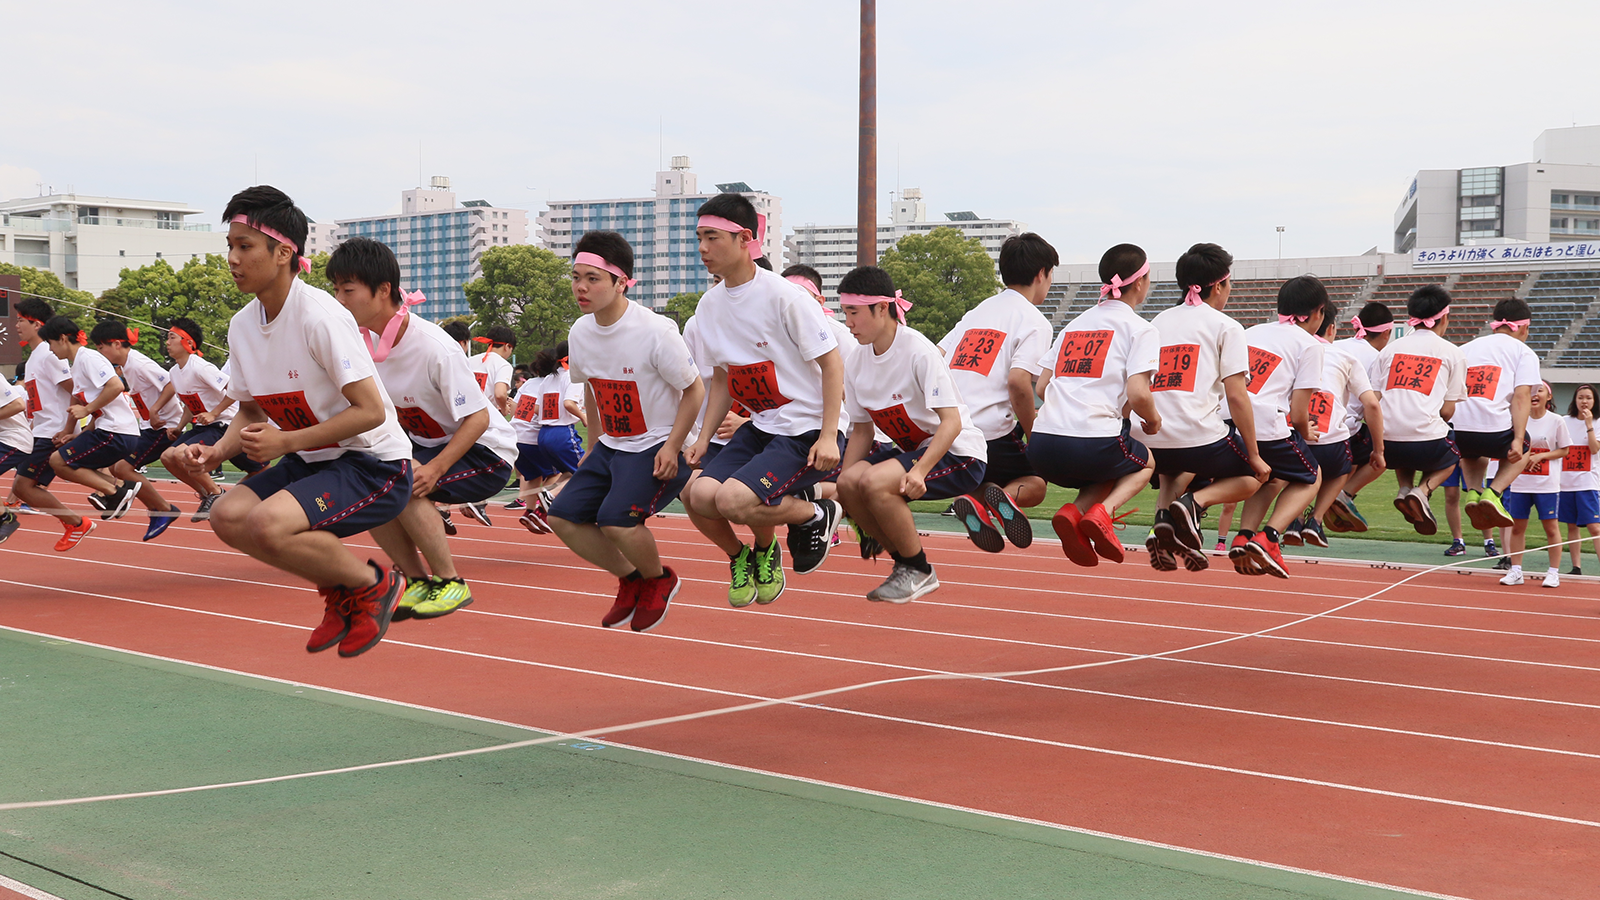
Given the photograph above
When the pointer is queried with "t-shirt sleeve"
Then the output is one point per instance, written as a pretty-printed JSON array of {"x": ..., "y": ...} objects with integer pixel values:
[
  {"x": 502, "y": 371},
  {"x": 1527, "y": 369},
  {"x": 938, "y": 389},
  {"x": 952, "y": 338},
  {"x": 336, "y": 347},
  {"x": 1359, "y": 383},
  {"x": 1457, "y": 388},
  {"x": 1031, "y": 344},
  {"x": 457, "y": 385},
  {"x": 1233, "y": 350},
  {"x": 1309, "y": 374},
  {"x": 802, "y": 320},
  {"x": 671, "y": 359},
  {"x": 1563, "y": 436},
  {"x": 1145, "y": 354},
  {"x": 98, "y": 372},
  {"x": 58, "y": 371}
]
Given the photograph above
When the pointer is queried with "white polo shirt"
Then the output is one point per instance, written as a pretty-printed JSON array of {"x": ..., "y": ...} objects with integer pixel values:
[
  {"x": 1284, "y": 358},
  {"x": 200, "y": 386},
  {"x": 638, "y": 368},
  {"x": 1497, "y": 364},
  {"x": 900, "y": 389},
  {"x": 1200, "y": 346},
  {"x": 433, "y": 390},
  {"x": 1002, "y": 333},
  {"x": 91, "y": 372},
  {"x": 1417, "y": 374},
  {"x": 1090, "y": 364}
]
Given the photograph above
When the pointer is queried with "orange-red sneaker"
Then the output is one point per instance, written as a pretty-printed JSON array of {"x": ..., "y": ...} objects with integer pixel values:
[
  {"x": 1100, "y": 532},
  {"x": 627, "y": 601},
  {"x": 1065, "y": 522},
  {"x": 370, "y": 610},
  {"x": 655, "y": 594},
  {"x": 335, "y": 621},
  {"x": 74, "y": 535},
  {"x": 1268, "y": 558}
]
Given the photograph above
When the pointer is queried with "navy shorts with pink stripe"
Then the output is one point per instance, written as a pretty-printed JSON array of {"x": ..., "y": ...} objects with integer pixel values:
[
  {"x": 617, "y": 489},
  {"x": 343, "y": 496},
  {"x": 479, "y": 474},
  {"x": 1078, "y": 462},
  {"x": 208, "y": 435},
  {"x": 950, "y": 477},
  {"x": 13, "y": 457},
  {"x": 1334, "y": 459},
  {"x": 773, "y": 466},
  {"x": 97, "y": 449},
  {"x": 1291, "y": 459},
  {"x": 152, "y": 442}
]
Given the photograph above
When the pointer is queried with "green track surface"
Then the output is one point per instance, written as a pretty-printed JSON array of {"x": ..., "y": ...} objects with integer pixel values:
[{"x": 575, "y": 819}]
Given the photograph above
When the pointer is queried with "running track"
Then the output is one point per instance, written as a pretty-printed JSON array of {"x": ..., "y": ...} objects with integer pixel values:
[{"x": 1444, "y": 737}]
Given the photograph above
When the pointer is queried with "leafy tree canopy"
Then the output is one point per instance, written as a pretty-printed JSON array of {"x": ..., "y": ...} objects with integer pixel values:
[
  {"x": 528, "y": 288},
  {"x": 681, "y": 306},
  {"x": 944, "y": 273},
  {"x": 74, "y": 304}
]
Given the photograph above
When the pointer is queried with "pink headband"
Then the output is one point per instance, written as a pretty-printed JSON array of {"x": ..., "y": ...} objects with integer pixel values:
[
  {"x": 1509, "y": 323},
  {"x": 869, "y": 299},
  {"x": 1292, "y": 320},
  {"x": 242, "y": 219},
  {"x": 721, "y": 224},
  {"x": 806, "y": 283},
  {"x": 1429, "y": 322},
  {"x": 1362, "y": 330},
  {"x": 392, "y": 327},
  {"x": 1117, "y": 284},
  {"x": 599, "y": 262},
  {"x": 1192, "y": 296}
]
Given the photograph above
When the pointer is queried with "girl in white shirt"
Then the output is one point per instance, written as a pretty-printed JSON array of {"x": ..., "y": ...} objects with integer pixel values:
[
  {"x": 1580, "y": 483},
  {"x": 1538, "y": 488}
]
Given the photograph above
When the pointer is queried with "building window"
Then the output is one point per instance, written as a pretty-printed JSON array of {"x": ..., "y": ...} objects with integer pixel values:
[
  {"x": 1558, "y": 224},
  {"x": 1559, "y": 199}
]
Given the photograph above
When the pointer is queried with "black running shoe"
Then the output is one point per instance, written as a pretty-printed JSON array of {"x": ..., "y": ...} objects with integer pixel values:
[
  {"x": 809, "y": 542},
  {"x": 204, "y": 511},
  {"x": 480, "y": 512},
  {"x": 449, "y": 524},
  {"x": 9, "y": 523},
  {"x": 1186, "y": 521}
]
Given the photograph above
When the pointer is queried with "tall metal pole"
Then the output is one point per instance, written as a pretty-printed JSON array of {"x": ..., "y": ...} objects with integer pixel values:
[{"x": 867, "y": 157}]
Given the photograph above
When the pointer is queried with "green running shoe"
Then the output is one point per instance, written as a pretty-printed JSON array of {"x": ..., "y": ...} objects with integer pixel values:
[
  {"x": 769, "y": 573},
  {"x": 1494, "y": 512},
  {"x": 742, "y": 578},
  {"x": 417, "y": 591},
  {"x": 449, "y": 595}
]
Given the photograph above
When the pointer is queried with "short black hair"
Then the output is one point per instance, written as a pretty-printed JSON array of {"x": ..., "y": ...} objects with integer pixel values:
[
  {"x": 1024, "y": 256},
  {"x": 871, "y": 281},
  {"x": 1121, "y": 261},
  {"x": 109, "y": 331},
  {"x": 190, "y": 327},
  {"x": 1330, "y": 311},
  {"x": 501, "y": 334},
  {"x": 59, "y": 327},
  {"x": 1375, "y": 313},
  {"x": 805, "y": 271},
  {"x": 369, "y": 262},
  {"x": 1203, "y": 265},
  {"x": 36, "y": 309},
  {"x": 271, "y": 207},
  {"x": 736, "y": 208},
  {"x": 1594, "y": 396},
  {"x": 1302, "y": 295},
  {"x": 548, "y": 360},
  {"x": 764, "y": 263},
  {"x": 458, "y": 331},
  {"x": 1512, "y": 310},
  {"x": 609, "y": 246},
  {"x": 1427, "y": 301}
]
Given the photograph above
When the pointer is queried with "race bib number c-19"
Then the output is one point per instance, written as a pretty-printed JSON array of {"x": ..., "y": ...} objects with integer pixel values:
[
  {"x": 977, "y": 350},
  {"x": 1177, "y": 368},
  {"x": 416, "y": 421},
  {"x": 527, "y": 408},
  {"x": 1262, "y": 364},
  {"x": 621, "y": 411},
  {"x": 1083, "y": 354},
  {"x": 1408, "y": 372},
  {"x": 896, "y": 423},
  {"x": 756, "y": 386},
  {"x": 1482, "y": 381}
]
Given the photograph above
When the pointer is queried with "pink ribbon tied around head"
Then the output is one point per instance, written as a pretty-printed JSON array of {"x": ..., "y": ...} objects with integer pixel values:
[
  {"x": 1363, "y": 330},
  {"x": 721, "y": 224},
  {"x": 242, "y": 219},
  {"x": 812, "y": 289},
  {"x": 391, "y": 328},
  {"x": 599, "y": 262},
  {"x": 1428, "y": 322},
  {"x": 1117, "y": 283},
  {"x": 868, "y": 299},
  {"x": 1509, "y": 323},
  {"x": 1292, "y": 320},
  {"x": 1192, "y": 296}
]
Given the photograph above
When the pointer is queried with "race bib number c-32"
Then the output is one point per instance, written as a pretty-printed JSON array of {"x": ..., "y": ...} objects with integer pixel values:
[{"x": 1408, "y": 372}]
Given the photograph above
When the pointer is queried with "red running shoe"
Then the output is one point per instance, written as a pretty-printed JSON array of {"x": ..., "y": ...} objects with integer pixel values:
[
  {"x": 1244, "y": 562},
  {"x": 370, "y": 610},
  {"x": 1268, "y": 559},
  {"x": 627, "y": 600},
  {"x": 654, "y": 596},
  {"x": 1099, "y": 532},
  {"x": 335, "y": 623},
  {"x": 976, "y": 518},
  {"x": 1066, "y": 523},
  {"x": 73, "y": 535}
]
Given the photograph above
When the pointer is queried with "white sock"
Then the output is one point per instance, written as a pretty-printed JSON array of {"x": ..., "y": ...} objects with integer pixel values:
[
  {"x": 1552, "y": 571},
  {"x": 816, "y": 516}
]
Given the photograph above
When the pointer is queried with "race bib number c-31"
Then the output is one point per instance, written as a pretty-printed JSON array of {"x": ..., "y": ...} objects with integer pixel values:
[
  {"x": 756, "y": 386},
  {"x": 1083, "y": 354},
  {"x": 621, "y": 411},
  {"x": 1177, "y": 368},
  {"x": 1578, "y": 459},
  {"x": 977, "y": 350},
  {"x": 896, "y": 423}
]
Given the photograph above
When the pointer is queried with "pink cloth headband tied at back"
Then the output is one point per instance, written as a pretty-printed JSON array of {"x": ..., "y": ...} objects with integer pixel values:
[
  {"x": 1429, "y": 322},
  {"x": 305, "y": 264},
  {"x": 1363, "y": 330},
  {"x": 1193, "y": 298},
  {"x": 721, "y": 224},
  {"x": 1117, "y": 283},
  {"x": 392, "y": 327},
  {"x": 1509, "y": 323},
  {"x": 869, "y": 299},
  {"x": 599, "y": 262},
  {"x": 1292, "y": 320},
  {"x": 811, "y": 287}
]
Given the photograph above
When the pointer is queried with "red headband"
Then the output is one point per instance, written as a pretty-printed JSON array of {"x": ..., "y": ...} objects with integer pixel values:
[{"x": 187, "y": 341}]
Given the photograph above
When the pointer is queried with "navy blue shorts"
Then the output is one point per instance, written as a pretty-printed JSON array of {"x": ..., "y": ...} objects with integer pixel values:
[
  {"x": 1290, "y": 458},
  {"x": 479, "y": 474},
  {"x": 347, "y": 495},
  {"x": 559, "y": 450},
  {"x": 773, "y": 466},
  {"x": 1522, "y": 505},
  {"x": 208, "y": 435},
  {"x": 1421, "y": 456},
  {"x": 1225, "y": 457},
  {"x": 712, "y": 449},
  {"x": 152, "y": 442},
  {"x": 97, "y": 449},
  {"x": 1484, "y": 444},
  {"x": 951, "y": 476},
  {"x": 1575, "y": 508},
  {"x": 13, "y": 457},
  {"x": 1008, "y": 459},
  {"x": 1333, "y": 459},
  {"x": 1361, "y": 446},
  {"x": 37, "y": 464},
  {"x": 614, "y": 488},
  {"x": 1078, "y": 462}
]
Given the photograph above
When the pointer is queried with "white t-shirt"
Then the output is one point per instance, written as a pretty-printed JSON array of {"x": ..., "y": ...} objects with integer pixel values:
[
  {"x": 1548, "y": 432},
  {"x": 1090, "y": 364},
  {"x": 525, "y": 412},
  {"x": 1365, "y": 355},
  {"x": 542, "y": 401},
  {"x": 146, "y": 380},
  {"x": 638, "y": 368},
  {"x": 767, "y": 333},
  {"x": 1344, "y": 380},
  {"x": 200, "y": 386},
  {"x": 91, "y": 372},
  {"x": 1284, "y": 358},
  {"x": 1577, "y": 469},
  {"x": 899, "y": 390},
  {"x": 296, "y": 366},
  {"x": 1200, "y": 346},
  {"x": 1417, "y": 374},
  {"x": 691, "y": 339},
  {"x": 433, "y": 390},
  {"x": 490, "y": 369},
  {"x": 47, "y": 379},
  {"x": 1497, "y": 364},
  {"x": 1002, "y": 333},
  {"x": 14, "y": 430}
]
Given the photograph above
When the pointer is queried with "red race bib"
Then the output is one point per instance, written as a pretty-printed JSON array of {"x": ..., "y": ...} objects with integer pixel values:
[
  {"x": 138, "y": 403},
  {"x": 1177, "y": 368},
  {"x": 194, "y": 403},
  {"x": 1412, "y": 373},
  {"x": 1321, "y": 409},
  {"x": 290, "y": 411},
  {"x": 1262, "y": 364},
  {"x": 756, "y": 386},
  {"x": 977, "y": 350},
  {"x": 621, "y": 412},
  {"x": 84, "y": 401},
  {"x": 895, "y": 423},
  {"x": 483, "y": 380},
  {"x": 1577, "y": 460},
  {"x": 527, "y": 408},
  {"x": 33, "y": 397},
  {"x": 552, "y": 406},
  {"x": 1083, "y": 354},
  {"x": 1482, "y": 381},
  {"x": 1542, "y": 467},
  {"x": 415, "y": 420}
]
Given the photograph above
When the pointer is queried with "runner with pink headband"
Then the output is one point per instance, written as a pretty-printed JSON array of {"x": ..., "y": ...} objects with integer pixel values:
[
  {"x": 1492, "y": 423},
  {"x": 900, "y": 303},
  {"x": 1113, "y": 289},
  {"x": 1374, "y": 326},
  {"x": 599, "y": 262},
  {"x": 1192, "y": 296},
  {"x": 1362, "y": 329},
  {"x": 305, "y": 264},
  {"x": 721, "y": 224}
]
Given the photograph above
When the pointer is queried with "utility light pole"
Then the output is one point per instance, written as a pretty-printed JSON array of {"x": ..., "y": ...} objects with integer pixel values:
[{"x": 867, "y": 153}]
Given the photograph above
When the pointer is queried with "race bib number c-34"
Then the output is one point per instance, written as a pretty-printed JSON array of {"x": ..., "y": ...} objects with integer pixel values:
[
  {"x": 621, "y": 411},
  {"x": 1408, "y": 372},
  {"x": 896, "y": 423},
  {"x": 1083, "y": 354},
  {"x": 1482, "y": 381},
  {"x": 977, "y": 350},
  {"x": 1177, "y": 368},
  {"x": 756, "y": 386}
]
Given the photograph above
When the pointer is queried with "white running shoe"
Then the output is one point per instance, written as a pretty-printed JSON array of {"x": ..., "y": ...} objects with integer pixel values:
[
  {"x": 1513, "y": 577},
  {"x": 1552, "y": 578}
]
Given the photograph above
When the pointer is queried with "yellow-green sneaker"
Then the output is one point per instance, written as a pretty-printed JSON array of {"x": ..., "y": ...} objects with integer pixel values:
[
  {"x": 742, "y": 579},
  {"x": 769, "y": 573},
  {"x": 448, "y": 595},
  {"x": 417, "y": 591}
]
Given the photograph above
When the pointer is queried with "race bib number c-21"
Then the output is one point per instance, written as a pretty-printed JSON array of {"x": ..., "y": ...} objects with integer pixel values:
[{"x": 756, "y": 386}]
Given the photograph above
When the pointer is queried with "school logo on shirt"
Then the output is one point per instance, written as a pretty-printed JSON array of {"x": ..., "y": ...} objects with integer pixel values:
[
  {"x": 460, "y": 400},
  {"x": 344, "y": 361}
]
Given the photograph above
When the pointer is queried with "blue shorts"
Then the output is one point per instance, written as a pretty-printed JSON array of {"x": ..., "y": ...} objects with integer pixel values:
[
  {"x": 1421, "y": 456},
  {"x": 1078, "y": 462},
  {"x": 1458, "y": 478},
  {"x": 97, "y": 449},
  {"x": 1008, "y": 459},
  {"x": 951, "y": 476},
  {"x": 347, "y": 495},
  {"x": 1222, "y": 458},
  {"x": 152, "y": 442},
  {"x": 1334, "y": 459},
  {"x": 37, "y": 465},
  {"x": 13, "y": 457},
  {"x": 614, "y": 488},
  {"x": 1361, "y": 446},
  {"x": 559, "y": 450},
  {"x": 1520, "y": 505},
  {"x": 712, "y": 449},
  {"x": 772, "y": 466},
  {"x": 1290, "y": 458},
  {"x": 479, "y": 474},
  {"x": 1575, "y": 507},
  {"x": 208, "y": 435}
]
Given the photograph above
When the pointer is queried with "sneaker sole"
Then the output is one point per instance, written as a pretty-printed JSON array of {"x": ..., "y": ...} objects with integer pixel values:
[
  {"x": 1073, "y": 545},
  {"x": 1264, "y": 562},
  {"x": 927, "y": 587},
  {"x": 1018, "y": 530},
  {"x": 1185, "y": 530},
  {"x": 157, "y": 528},
  {"x": 832, "y": 512},
  {"x": 533, "y": 525},
  {"x": 419, "y": 614},
  {"x": 331, "y": 643},
  {"x": 667, "y": 607},
  {"x": 1411, "y": 508},
  {"x": 386, "y": 611},
  {"x": 1194, "y": 560},
  {"x": 1315, "y": 540},
  {"x": 124, "y": 505},
  {"x": 1161, "y": 559},
  {"x": 478, "y": 516},
  {"x": 1490, "y": 517},
  {"x": 980, "y": 531},
  {"x": 1244, "y": 562}
]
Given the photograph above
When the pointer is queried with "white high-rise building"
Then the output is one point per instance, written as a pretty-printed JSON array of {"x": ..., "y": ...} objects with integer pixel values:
[{"x": 87, "y": 241}]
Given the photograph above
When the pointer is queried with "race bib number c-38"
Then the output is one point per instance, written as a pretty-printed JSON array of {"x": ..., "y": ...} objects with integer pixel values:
[{"x": 621, "y": 411}]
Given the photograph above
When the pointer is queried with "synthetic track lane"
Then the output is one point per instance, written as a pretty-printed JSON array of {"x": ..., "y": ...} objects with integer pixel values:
[{"x": 1084, "y": 789}]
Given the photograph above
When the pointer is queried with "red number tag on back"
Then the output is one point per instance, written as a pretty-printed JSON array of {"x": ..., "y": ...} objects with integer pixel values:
[
  {"x": 1262, "y": 364},
  {"x": 415, "y": 420},
  {"x": 756, "y": 386},
  {"x": 977, "y": 350},
  {"x": 1412, "y": 373},
  {"x": 138, "y": 403},
  {"x": 527, "y": 407},
  {"x": 84, "y": 401},
  {"x": 621, "y": 412},
  {"x": 897, "y": 424},
  {"x": 33, "y": 397},
  {"x": 483, "y": 380},
  {"x": 1177, "y": 368},
  {"x": 552, "y": 406},
  {"x": 1482, "y": 381},
  {"x": 1321, "y": 409},
  {"x": 1083, "y": 354}
]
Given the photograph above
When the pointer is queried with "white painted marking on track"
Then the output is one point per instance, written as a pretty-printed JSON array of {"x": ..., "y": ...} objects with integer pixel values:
[{"x": 25, "y": 890}]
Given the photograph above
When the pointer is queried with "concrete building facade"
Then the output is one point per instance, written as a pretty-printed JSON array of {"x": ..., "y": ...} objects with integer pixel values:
[{"x": 87, "y": 241}]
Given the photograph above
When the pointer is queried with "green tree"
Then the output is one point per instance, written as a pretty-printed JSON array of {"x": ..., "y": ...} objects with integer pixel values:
[
  {"x": 202, "y": 290},
  {"x": 318, "y": 276},
  {"x": 682, "y": 306},
  {"x": 75, "y": 305},
  {"x": 527, "y": 288},
  {"x": 943, "y": 272}
]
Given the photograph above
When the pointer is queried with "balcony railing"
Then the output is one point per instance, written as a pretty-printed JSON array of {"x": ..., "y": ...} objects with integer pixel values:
[{"x": 159, "y": 224}]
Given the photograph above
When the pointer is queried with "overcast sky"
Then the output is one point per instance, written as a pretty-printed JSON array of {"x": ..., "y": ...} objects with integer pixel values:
[{"x": 1160, "y": 123}]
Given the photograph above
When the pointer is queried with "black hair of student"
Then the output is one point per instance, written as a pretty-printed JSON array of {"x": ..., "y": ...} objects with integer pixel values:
[
  {"x": 736, "y": 208},
  {"x": 1512, "y": 310},
  {"x": 34, "y": 308},
  {"x": 548, "y": 360},
  {"x": 1594, "y": 400},
  {"x": 190, "y": 327},
  {"x": 871, "y": 281},
  {"x": 500, "y": 334},
  {"x": 58, "y": 327},
  {"x": 368, "y": 262},
  {"x": 1024, "y": 256},
  {"x": 109, "y": 330},
  {"x": 764, "y": 263},
  {"x": 805, "y": 271},
  {"x": 1427, "y": 301},
  {"x": 1122, "y": 261},
  {"x": 458, "y": 331},
  {"x": 1203, "y": 265},
  {"x": 273, "y": 208},
  {"x": 1302, "y": 295},
  {"x": 1375, "y": 313},
  {"x": 609, "y": 246}
]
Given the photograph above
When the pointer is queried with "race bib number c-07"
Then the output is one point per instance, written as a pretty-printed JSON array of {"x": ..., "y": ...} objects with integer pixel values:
[
  {"x": 1177, "y": 368},
  {"x": 896, "y": 423},
  {"x": 756, "y": 386},
  {"x": 1083, "y": 354},
  {"x": 621, "y": 411},
  {"x": 977, "y": 350}
]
